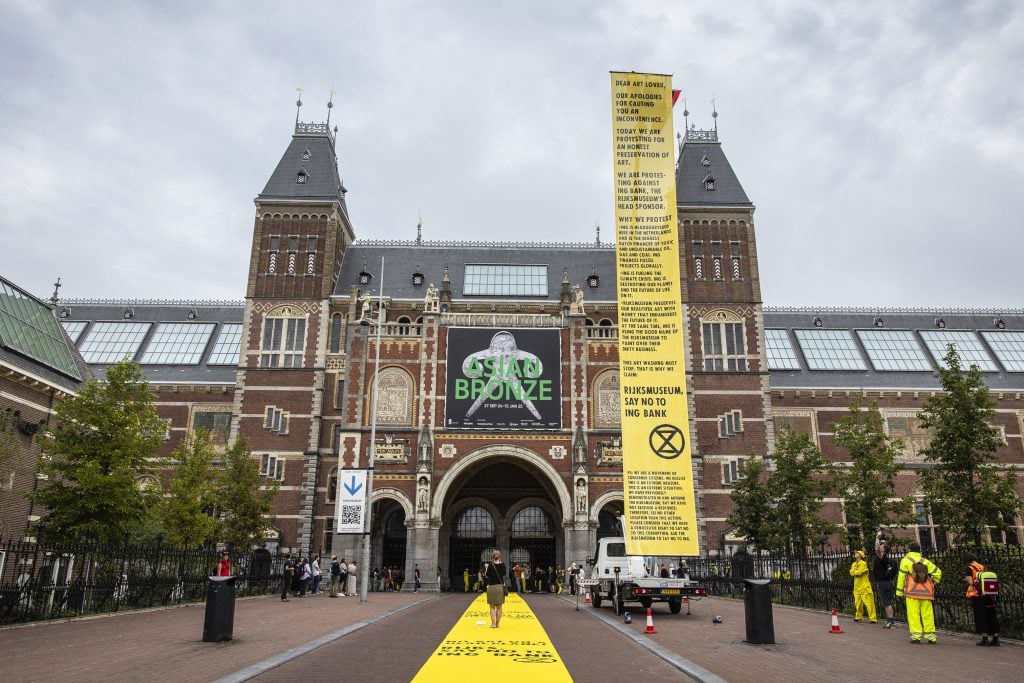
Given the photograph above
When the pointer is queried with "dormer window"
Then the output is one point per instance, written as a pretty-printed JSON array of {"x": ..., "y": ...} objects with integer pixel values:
[
  {"x": 705, "y": 162},
  {"x": 306, "y": 155},
  {"x": 301, "y": 177},
  {"x": 709, "y": 183},
  {"x": 417, "y": 279},
  {"x": 593, "y": 281},
  {"x": 364, "y": 278}
]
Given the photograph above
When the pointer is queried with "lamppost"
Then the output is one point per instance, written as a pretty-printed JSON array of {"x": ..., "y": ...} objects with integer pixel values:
[{"x": 364, "y": 568}]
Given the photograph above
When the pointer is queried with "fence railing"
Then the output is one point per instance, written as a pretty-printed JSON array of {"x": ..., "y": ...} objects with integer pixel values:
[
  {"x": 822, "y": 581},
  {"x": 51, "y": 581}
]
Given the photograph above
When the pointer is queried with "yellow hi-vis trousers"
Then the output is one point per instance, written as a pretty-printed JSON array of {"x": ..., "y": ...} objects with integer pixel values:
[
  {"x": 865, "y": 601},
  {"x": 920, "y": 619}
]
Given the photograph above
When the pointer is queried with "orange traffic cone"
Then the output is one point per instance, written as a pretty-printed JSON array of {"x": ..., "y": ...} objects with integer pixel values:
[
  {"x": 650, "y": 622},
  {"x": 835, "y": 622}
]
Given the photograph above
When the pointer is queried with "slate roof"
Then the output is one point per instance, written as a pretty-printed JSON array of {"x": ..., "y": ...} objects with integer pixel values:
[
  {"x": 914, "y": 320},
  {"x": 403, "y": 259},
  {"x": 691, "y": 172},
  {"x": 322, "y": 182},
  {"x": 218, "y": 312}
]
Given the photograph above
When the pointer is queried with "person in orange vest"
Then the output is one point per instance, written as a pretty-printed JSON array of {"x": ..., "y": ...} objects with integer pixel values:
[
  {"x": 986, "y": 621},
  {"x": 863, "y": 596},
  {"x": 916, "y": 582}
]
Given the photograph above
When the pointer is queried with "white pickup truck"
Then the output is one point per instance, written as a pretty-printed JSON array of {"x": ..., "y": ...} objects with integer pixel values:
[{"x": 623, "y": 578}]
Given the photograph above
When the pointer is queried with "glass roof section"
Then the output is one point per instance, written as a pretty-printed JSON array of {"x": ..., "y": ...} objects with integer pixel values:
[
  {"x": 226, "y": 350},
  {"x": 74, "y": 329},
  {"x": 779, "y": 351},
  {"x": 27, "y": 326},
  {"x": 178, "y": 344},
  {"x": 505, "y": 280},
  {"x": 894, "y": 350},
  {"x": 113, "y": 342},
  {"x": 1008, "y": 347},
  {"x": 967, "y": 345},
  {"x": 830, "y": 350}
]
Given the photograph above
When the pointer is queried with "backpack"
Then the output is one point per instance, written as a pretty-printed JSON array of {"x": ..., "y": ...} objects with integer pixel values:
[
  {"x": 335, "y": 569},
  {"x": 988, "y": 583},
  {"x": 919, "y": 571}
]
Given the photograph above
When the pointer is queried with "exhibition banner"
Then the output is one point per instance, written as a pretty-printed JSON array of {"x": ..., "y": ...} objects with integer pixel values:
[
  {"x": 660, "y": 515},
  {"x": 503, "y": 379}
]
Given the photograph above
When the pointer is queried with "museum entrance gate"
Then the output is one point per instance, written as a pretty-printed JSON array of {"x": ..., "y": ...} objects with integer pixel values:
[
  {"x": 532, "y": 541},
  {"x": 473, "y": 539},
  {"x": 393, "y": 550}
]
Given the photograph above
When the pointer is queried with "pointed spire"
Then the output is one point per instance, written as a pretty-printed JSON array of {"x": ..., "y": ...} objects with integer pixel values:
[
  {"x": 714, "y": 112},
  {"x": 419, "y": 230},
  {"x": 686, "y": 115},
  {"x": 298, "y": 105},
  {"x": 597, "y": 227},
  {"x": 56, "y": 292},
  {"x": 330, "y": 106}
]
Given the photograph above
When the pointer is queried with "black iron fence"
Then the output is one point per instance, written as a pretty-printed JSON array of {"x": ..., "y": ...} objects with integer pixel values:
[
  {"x": 822, "y": 581},
  {"x": 51, "y": 581}
]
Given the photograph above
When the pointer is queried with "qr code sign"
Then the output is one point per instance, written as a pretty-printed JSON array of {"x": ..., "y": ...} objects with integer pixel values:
[{"x": 351, "y": 515}]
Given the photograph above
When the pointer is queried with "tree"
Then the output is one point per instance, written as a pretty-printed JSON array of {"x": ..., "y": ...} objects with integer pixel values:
[
  {"x": 186, "y": 513},
  {"x": 798, "y": 484},
  {"x": 244, "y": 498},
  {"x": 95, "y": 449},
  {"x": 963, "y": 488},
  {"x": 869, "y": 484},
  {"x": 752, "y": 511}
]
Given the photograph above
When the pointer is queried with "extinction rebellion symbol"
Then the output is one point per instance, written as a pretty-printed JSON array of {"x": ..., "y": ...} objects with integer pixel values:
[{"x": 667, "y": 441}]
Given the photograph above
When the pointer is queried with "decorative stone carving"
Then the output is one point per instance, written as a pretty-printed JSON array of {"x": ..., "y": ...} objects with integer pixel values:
[{"x": 607, "y": 401}]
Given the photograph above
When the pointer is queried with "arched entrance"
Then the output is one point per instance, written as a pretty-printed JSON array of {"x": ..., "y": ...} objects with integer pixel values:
[
  {"x": 502, "y": 501},
  {"x": 389, "y": 535}
]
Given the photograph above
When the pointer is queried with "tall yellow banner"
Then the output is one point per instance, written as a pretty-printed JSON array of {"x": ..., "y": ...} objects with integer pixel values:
[{"x": 660, "y": 516}]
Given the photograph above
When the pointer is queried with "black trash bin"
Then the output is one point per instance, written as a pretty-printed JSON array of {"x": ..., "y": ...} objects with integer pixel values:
[
  {"x": 220, "y": 609},
  {"x": 757, "y": 604}
]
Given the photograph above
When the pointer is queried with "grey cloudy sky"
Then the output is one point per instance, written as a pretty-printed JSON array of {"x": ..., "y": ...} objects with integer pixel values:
[{"x": 882, "y": 142}]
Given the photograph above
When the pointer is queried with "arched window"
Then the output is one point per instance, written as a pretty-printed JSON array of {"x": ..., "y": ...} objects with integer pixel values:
[
  {"x": 531, "y": 522},
  {"x": 724, "y": 342},
  {"x": 474, "y": 522},
  {"x": 403, "y": 325},
  {"x": 284, "y": 338}
]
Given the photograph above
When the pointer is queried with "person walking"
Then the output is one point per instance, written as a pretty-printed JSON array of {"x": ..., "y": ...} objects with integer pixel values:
[
  {"x": 986, "y": 620},
  {"x": 572, "y": 579},
  {"x": 224, "y": 564},
  {"x": 916, "y": 582},
  {"x": 863, "y": 596},
  {"x": 287, "y": 572},
  {"x": 317, "y": 574},
  {"x": 416, "y": 580},
  {"x": 304, "y": 576},
  {"x": 883, "y": 571},
  {"x": 494, "y": 575},
  {"x": 335, "y": 576},
  {"x": 465, "y": 580}
]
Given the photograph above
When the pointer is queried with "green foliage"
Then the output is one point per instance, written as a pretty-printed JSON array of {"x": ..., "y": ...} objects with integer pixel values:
[
  {"x": 868, "y": 485},
  {"x": 186, "y": 513},
  {"x": 751, "y": 515},
  {"x": 963, "y": 488},
  {"x": 244, "y": 498},
  {"x": 94, "y": 450},
  {"x": 781, "y": 511}
]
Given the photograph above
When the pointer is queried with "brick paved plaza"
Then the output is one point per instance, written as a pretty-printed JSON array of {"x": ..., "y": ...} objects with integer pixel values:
[{"x": 390, "y": 637}]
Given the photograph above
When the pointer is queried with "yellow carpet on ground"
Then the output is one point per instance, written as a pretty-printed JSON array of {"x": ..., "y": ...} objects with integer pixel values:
[{"x": 518, "y": 650}]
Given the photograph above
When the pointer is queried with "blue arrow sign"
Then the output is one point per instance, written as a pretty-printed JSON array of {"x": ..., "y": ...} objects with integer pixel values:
[{"x": 353, "y": 486}]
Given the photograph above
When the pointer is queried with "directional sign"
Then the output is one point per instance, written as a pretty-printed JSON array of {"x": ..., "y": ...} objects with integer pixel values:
[{"x": 351, "y": 504}]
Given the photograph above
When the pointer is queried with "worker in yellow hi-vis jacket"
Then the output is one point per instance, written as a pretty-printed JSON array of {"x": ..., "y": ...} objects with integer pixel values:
[
  {"x": 916, "y": 582},
  {"x": 863, "y": 596}
]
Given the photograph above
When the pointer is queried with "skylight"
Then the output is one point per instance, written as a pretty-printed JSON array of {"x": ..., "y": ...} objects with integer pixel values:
[
  {"x": 27, "y": 326},
  {"x": 505, "y": 280},
  {"x": 1008, "y": 347},
  {"x": 894, "y": 350},
  {"x": 830, "y": 350},
  {"x": 178, "y": 344},
  {"x": 779, "y": 351},
  {"x": 226, "y": 350},
  {"x": 113, "y": 342},
  {"x": 967, "y": 345}
]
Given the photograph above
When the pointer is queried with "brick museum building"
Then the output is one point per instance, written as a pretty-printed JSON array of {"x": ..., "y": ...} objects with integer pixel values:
[{"x": 462, "y": 466}]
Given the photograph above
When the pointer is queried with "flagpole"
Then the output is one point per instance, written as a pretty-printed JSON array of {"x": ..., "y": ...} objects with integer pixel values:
[{"x": 364, "y": 569}]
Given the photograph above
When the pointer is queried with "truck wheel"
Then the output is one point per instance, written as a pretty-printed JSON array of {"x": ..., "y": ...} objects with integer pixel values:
[
  {"x": 595, "y": 597},
  {"x": 646, "y": 602},
  {"x": 674, "y": 606}
]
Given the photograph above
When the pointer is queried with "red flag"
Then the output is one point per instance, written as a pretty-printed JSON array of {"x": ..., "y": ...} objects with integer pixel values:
[{"x": 675, "y": 96}]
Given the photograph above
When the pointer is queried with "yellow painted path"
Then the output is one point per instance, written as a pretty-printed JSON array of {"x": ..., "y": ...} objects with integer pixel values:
[{"x": 518, "y": 650}]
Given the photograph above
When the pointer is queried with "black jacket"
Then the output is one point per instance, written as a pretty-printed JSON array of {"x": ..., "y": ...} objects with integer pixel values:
[{"x": 884, "y": 569}]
